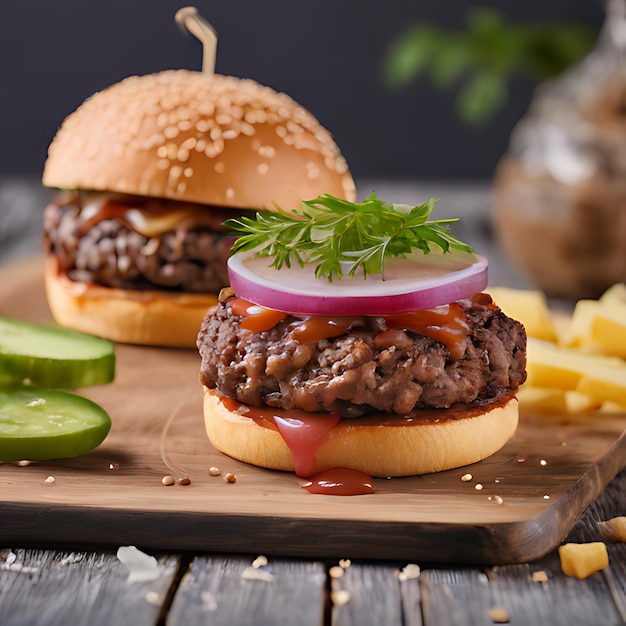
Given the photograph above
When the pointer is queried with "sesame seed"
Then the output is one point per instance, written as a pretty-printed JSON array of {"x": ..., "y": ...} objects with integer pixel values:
[
  {"x": 267, "y": 152},
  {"x": 466, "y": 477},
  {"x": 336, "y": 572},
  {"x": 184, "y": 481},
  {"x": 171, "y": 131},
  {"x": 188, "y": 173},
  {"x": 230, "y": 193},
  {"x": 168, "y": 481},
  {"x": 162, "y": 152},
  {"x": 230, "y": 134},
  {"x": 163, "y": 164},
  {"x": 260, "y": 561},
  {"x": 222, "y": 119},
  {"x": 203, "y": 126},
  {"x": 219, "y": 167},
  {"x": 50, "y": 480},
  {"x": 182, "y": 155},
  {"x": 214, "y": 471},
  {"x": 230, "y": 478},
  {"x": 478, "y": 487},
  {"x": 262, "y": 168}
]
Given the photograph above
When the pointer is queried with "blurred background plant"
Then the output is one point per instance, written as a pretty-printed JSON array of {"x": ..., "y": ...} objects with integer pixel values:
[{"x": 481, "y": 60}]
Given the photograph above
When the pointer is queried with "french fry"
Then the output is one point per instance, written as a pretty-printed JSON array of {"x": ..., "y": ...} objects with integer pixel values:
[
  {"x": 607, "y": 385},
  {"x": 558, "y": 367},
  {"x": 599, "y": 327},
  {"x": 529, "y": 307},
  {"x": 541, "y": 401}
]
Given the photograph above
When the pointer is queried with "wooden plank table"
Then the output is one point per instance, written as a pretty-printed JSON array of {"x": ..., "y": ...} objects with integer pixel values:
[{"x": 43, "y": 583}]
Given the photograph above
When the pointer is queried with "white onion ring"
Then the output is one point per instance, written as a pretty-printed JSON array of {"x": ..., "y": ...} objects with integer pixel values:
[{"x": 410, "y": 284}]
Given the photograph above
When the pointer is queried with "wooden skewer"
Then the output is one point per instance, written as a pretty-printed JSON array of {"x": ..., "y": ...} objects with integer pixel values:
[{"x": 189, "y": 19}]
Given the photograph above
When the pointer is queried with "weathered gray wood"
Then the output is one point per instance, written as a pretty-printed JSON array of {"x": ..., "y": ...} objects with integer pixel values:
[
  {"x": 50, "y": 588},
  {"x": 230, "y": 591},
  {"x": 615, "y": 577},
  {"x": 366, "y": 595},
  {"x": 561, "y": 600}
]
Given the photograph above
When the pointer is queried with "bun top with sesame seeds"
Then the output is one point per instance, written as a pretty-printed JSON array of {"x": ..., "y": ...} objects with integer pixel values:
[{"x": 204, "y": 138}]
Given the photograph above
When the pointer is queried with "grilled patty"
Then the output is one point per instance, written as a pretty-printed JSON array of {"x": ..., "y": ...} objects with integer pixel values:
[
  {"x": 101, "y": 246},
  {"x": 371, "y": 367}
]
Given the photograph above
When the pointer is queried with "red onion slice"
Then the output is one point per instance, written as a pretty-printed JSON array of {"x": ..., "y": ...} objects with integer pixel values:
[{"x": 410, "y": 284}]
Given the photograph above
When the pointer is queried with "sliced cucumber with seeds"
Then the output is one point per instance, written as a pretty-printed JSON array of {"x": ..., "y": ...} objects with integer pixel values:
[
  {"x": 46, "y": 424},
  {"x": 46, "y": 356}
]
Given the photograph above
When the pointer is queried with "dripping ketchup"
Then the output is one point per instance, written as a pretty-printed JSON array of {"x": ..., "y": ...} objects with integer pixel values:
[
  {"x": 339, "y": 481},
  {"x": 304, "y": 433}
]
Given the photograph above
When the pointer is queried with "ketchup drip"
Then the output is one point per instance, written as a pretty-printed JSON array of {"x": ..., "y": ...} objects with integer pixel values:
[
  {"x": 304, "y": 433},
  {"x": 339, "y": 481}
]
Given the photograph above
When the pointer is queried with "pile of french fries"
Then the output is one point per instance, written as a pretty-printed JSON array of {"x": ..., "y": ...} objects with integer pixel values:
[{"x": 576, "y": 364}]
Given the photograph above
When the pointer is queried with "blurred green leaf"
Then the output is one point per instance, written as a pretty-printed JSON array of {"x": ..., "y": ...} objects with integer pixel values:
[
  {"x": 450, "y": 61},
  {"x": 482, "y": 95},
  {"x": 488, "y": 52},
  {"x": 410, "y": 54}
]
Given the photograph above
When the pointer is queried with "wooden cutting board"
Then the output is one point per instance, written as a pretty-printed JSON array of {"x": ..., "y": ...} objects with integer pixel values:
[{"x": 532, "y": 492}]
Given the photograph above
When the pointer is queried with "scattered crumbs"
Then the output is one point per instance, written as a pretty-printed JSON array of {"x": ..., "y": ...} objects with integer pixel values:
[
  {"x": 260, "y": 561},
  {"x": 521, "y": 459},
  {"x": 70, "y": 559},
  {"x": 466, "y": 477},
  {"x": 546, "y": 497},
  {"x": 114, "y": 466},
  {"x": 336, "y": 572},
  {"x": 23, "y": 463},
  {"x": 215, "y": 471},
  {"x": 496, "y": 499},
  {"x": 50, "y": 480},
  {"x": 497, "y": 481},
  {"x": 539, "y": 576},
  {"x": 340, "y": 597},
  {"x": 185, "y": 480},
  {"x": 153, "y": 598},
  {"x": 543, "y": 462},
  {"x": 142, "y": 567},
  {"x": 8, "y": 556},
  {"x": 230, "y": 478},
  {"x": 256, "y": 573},
  {"x": 409, "y": 572},
  {"x": 563, "y": 443},
  {"x": 208, "y": 601},
  {"x": 168, "y": 480},
  {"x": 478, "y": 487},
  {"x": 345, "y": 563},
  {"x": 499, "y": 615}
]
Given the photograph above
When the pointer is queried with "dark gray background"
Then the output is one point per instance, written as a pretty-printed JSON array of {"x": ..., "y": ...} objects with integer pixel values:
[{"x": 326, "y": 54}]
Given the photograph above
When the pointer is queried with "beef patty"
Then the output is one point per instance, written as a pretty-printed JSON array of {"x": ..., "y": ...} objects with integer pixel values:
[
  {"x": 371, "y": 367},
  {"x": 95, "y": 242}
]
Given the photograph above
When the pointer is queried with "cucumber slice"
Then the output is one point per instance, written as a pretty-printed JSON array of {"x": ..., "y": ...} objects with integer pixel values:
[
  {"x": 46, "y": 424},
  {"x": 45, "y": 356}
]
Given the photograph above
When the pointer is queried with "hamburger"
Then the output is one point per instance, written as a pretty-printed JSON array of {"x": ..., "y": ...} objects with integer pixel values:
[
  {"x": 358, "y": 336},
  {"x": 147, "y": 172}
]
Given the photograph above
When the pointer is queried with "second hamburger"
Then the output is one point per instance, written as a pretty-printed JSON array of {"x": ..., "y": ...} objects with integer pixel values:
[{"x": 149, "y": 170}]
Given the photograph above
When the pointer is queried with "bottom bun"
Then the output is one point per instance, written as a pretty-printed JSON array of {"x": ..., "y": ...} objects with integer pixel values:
[
  {"x": 150, "y": 318},
  {"x": 377, "y": 448}
]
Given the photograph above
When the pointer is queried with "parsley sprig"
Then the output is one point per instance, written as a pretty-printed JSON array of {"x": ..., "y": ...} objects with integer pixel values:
[{"x": 343, "y": 237}]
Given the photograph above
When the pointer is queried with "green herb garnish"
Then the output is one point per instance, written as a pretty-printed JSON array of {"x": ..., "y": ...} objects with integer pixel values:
[{"x": 338, "y": 235}]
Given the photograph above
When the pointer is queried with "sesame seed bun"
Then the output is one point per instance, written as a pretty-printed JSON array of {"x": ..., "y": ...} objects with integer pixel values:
[
  {"x": 371, "y": 445},
  {"x": 196, "y": 137},
  {"x": 180, "y": 135}
]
